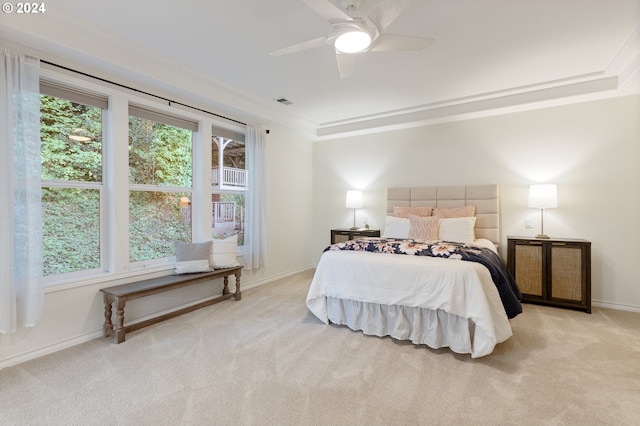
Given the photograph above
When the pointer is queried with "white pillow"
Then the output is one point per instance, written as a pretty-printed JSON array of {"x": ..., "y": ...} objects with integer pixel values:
[
  {"x": 191, "y": 258},
  {"x": 396, "y": 227},
  {"x": 458, "y": 229},
  {"x": 223, "y": 254}
]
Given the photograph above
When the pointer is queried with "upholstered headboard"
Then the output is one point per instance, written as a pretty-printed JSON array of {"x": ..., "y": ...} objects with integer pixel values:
[{"x": 486, "y": 198}]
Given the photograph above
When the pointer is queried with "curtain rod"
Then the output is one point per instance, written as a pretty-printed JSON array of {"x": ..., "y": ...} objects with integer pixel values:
[{"x": 169, "y": 101}]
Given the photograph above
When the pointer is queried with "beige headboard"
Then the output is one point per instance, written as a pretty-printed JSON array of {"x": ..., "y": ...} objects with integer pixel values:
[{"x": 486, "y": 198}]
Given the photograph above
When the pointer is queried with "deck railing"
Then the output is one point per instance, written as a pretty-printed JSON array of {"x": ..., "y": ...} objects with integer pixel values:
[
  {"x": 223, "y": 211},
  {"x": 231, "y": 177}
]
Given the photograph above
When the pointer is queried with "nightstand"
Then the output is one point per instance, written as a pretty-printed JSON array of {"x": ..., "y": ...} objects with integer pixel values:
[
  {"x": 553, "y": 272},
  {"x": 344, "y": 234}
]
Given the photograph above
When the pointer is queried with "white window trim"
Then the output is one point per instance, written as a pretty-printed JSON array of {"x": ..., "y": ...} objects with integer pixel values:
[{"x": 115, "y": 245}]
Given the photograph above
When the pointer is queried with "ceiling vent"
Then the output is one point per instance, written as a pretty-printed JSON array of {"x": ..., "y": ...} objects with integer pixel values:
[{"x": 284, "y": 101}]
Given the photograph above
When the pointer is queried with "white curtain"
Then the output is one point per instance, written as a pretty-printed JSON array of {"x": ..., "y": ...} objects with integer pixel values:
[
  {"x": 256, "y": 220},
  {"x": 21, "y": 290}
]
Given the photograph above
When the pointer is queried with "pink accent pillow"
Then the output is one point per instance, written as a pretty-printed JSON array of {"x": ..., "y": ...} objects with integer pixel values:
[
  {"x": 466, "y": 211},
  {"x": 402, "y": 211},
  {"x": 424, "y": 228}
]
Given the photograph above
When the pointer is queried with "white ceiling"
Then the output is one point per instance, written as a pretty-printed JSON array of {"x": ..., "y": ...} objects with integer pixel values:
[{"x": 487, "y": 54}]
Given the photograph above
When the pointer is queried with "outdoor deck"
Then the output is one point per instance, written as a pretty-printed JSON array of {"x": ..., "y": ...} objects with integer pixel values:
[{"x": 229, "y": 178}]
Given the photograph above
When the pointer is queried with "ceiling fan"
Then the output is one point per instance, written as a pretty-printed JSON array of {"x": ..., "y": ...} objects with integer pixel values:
[{"x": 352, "y": 34}]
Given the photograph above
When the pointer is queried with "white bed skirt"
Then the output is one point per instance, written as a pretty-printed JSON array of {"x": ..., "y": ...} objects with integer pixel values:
[
  {"x": 442, "y": 302},
  {"x": 434, "y": 328}
]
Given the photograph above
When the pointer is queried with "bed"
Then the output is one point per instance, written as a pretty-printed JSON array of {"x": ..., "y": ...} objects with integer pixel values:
[{"x": 438, "y": 292}]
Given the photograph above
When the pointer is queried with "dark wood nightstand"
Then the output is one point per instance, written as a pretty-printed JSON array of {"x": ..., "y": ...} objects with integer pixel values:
[
  {"x": 554, "y": 272},
  {"x": 344, "y": 234}
]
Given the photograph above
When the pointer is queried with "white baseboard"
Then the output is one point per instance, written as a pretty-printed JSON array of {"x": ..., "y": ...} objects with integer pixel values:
[
  {"x": 616, "y": 306},
  {"x": 27, "y": 356},
  {"x": 276, "y": 277}
]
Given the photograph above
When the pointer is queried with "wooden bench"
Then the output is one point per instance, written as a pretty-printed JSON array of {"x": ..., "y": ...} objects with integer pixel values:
[{"x": 120, "y": 294}]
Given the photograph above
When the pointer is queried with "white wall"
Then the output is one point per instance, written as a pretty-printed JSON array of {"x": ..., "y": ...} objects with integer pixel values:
[
  {"x": 289, "y": 183},
  {"x": 590, "y": 150},
  {"x": 75, "y": 315}
]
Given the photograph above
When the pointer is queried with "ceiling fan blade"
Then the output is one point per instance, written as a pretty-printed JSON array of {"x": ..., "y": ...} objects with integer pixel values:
[
  {"x": 346, "y": 63},
  {"x": 328, "y": 11},
  {"x": 305, "y": 45},
  {"x": 387, "y": 12},
  {"x": 396, "y": 43}
]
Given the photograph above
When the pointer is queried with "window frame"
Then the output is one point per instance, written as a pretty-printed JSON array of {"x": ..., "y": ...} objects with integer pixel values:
[
  {"x": 151, "y": 114},
  {"x": 217, "y": 132},
  {"x": 79, "y": 95},
  {"x": 115, "y": 268}
]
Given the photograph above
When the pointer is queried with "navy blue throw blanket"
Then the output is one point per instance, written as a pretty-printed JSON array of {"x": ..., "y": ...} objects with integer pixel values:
[{"x": 504, "y": 281}]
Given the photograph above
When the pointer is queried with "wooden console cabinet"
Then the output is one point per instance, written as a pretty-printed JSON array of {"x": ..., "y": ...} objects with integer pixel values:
[{"x": 554, "y": 272}]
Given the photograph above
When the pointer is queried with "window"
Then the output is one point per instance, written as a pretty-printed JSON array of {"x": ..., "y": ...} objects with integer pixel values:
[
  {"x": 229, "y": 183},
  {"x": 160, "y": 183},
  {"x": 118, "y": 181},
  {"x": 71, "y": 150}
]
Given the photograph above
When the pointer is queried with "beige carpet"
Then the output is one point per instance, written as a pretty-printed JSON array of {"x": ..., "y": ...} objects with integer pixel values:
[{"x": 267, "y": 361}]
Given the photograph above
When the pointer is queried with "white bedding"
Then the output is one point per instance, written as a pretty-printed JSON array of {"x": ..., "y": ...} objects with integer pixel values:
[{"x": 458, "y": 295}]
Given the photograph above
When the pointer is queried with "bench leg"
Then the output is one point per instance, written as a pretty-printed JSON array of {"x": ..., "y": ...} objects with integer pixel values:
[
  {"x": 119, "y": 332},
  {"x": 107, "y": 327},
  {"x": 225, "y": 290},
  {"x": 238, "y": 294}
]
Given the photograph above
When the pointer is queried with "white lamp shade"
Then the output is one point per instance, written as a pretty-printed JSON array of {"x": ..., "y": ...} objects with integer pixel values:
[
  {"x": 354, "y": 199},
  {"x": 543, "y": 196}
]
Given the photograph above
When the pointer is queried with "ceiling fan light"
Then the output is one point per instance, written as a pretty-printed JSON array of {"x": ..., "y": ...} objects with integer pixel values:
[{"x": 353, "y": 41}]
